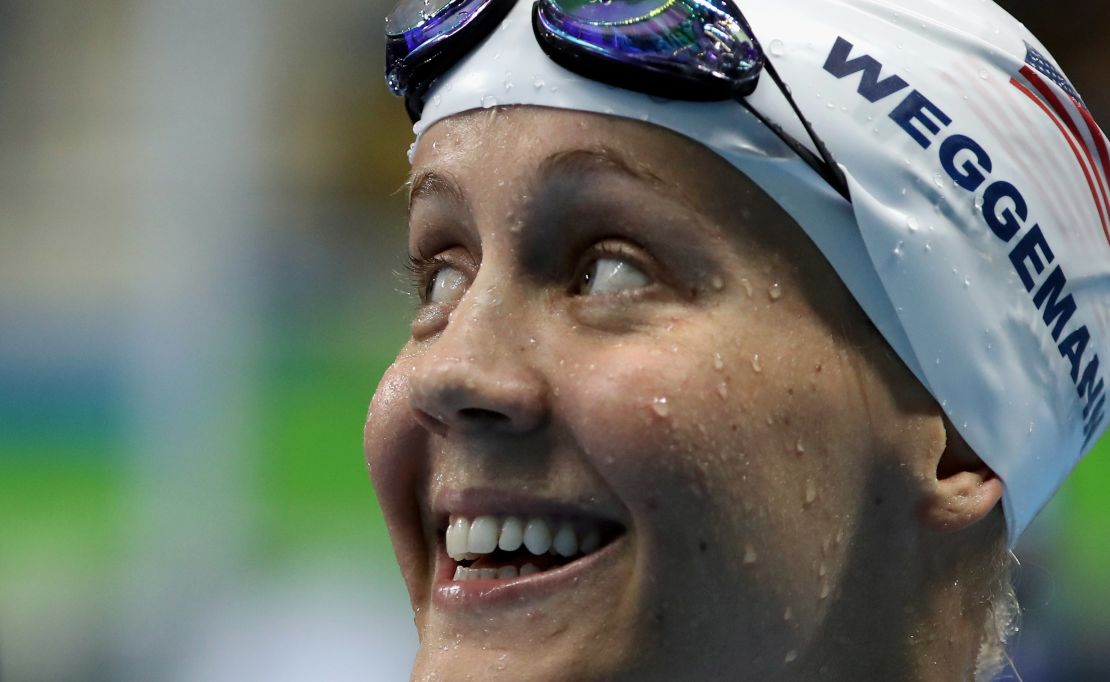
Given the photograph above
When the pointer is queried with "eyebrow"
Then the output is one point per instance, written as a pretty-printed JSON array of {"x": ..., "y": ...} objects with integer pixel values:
[
  {"x": 574, "y": 163},
  {"x": 431, "y": 183},
  {"x": 584, "y": 161}
]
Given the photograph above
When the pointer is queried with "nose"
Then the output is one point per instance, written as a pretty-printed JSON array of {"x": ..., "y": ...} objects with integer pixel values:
[
  {"x": 476, "y": 378},
  {"x": 466, "y": 395}
]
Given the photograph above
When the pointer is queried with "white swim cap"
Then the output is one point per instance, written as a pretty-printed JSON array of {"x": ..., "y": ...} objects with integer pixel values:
[{"x": 978, "y": 235}]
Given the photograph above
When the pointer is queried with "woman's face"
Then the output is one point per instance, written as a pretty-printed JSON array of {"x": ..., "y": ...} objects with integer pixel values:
[{"x": 623, "y": 346}]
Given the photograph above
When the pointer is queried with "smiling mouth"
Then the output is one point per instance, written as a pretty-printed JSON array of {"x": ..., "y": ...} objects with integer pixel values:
[{"x": 516, "y": 548}]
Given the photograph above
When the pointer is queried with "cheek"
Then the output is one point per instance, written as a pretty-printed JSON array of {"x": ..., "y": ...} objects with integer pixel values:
[
  {"x": 751, "y": 467},
  {"x": 673, "y": 417},
  {"x": 389, "y": 422}
]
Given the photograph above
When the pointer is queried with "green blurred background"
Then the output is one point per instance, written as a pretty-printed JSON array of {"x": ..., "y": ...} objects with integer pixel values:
[{"x": 200, "y": 232}]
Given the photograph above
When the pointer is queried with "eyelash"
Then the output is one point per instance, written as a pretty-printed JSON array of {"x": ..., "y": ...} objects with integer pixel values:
[
  {"x": 421, "y": 270},
  {"x": 608, "y": 248}
]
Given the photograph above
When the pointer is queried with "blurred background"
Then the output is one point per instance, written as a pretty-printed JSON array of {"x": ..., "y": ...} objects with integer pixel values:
[{"x": 200, "y": 231}]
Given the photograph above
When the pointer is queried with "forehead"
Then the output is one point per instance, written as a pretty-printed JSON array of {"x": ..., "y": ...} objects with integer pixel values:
[{"x": 485, "y": 150}]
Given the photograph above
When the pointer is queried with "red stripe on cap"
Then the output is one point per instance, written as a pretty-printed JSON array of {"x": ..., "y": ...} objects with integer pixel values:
[
  {"x": 1061, "y": 109},
  {"x": 1078, "y": 155}
]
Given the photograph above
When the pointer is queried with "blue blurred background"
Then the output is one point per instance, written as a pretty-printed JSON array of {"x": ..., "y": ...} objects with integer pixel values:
[{"x": 199, "y": 237}]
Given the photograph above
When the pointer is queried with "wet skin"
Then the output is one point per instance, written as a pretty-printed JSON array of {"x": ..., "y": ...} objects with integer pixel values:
[{"x": 615, "y": 321}]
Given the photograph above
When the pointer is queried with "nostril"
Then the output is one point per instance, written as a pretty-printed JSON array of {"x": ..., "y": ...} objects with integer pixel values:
[{"x": 477, "y": 414}]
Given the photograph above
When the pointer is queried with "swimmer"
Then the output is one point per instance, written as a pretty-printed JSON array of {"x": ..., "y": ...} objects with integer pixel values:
[{"x": 751, "y": 334}]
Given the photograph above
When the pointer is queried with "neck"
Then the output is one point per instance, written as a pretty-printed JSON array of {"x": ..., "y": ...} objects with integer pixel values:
[{"x": 923, "y": 624}]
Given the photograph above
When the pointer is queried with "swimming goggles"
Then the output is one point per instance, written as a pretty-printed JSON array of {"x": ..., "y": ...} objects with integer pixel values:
[{"x": 694, "y": 50}]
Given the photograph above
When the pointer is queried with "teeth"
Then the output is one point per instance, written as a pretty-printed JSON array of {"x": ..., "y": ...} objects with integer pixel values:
[
  {"x": 468, "y": 540},
  {"x": 565, "y": 543},
  {"x": 590, "y": 542},
  {"x": 463, "y": 573},
  {"x": 512, "y": 534},
  {"x": 456, "y": 538},
  {"x": 506, "y": 572},
  {"x": 528, "y": 569},
  {"x": 537, "y": 536},
  {"x": 487, "y": 573},
  {"x": 483, "y": 535}
]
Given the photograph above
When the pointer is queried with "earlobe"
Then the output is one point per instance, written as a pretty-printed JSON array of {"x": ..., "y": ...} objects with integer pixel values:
[
  {"x": 965, "y": 490},
  {"x": 961, "y": 500}
]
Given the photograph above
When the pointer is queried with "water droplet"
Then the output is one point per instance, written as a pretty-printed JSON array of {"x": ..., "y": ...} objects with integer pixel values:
[
  {"x": 717, "y": 283},
  {"x": 811, "y": 491},
  {"x": 554, "y": 88},
  {"x": 938, "y": 180},
  {"x": 722, "y": 389},
  {"x": 822, "y": 570},
  {"x": 436, "y": 100},
  {"x": 756, "y": 364},
  {"x": 898, "y": 249},
  {"x": 979, "y": 202},
  {"x": 749, "y": 554},
  {"x": 967, "y": 283},
  {"x": 747, "y": 286},
  {"x": 928, "y": 247},
  {"x": 983, "y": 74},
  {"x": 508, "y": 80},
  {"x": 660, "y": 407},
  {"x": 774, "y": 291},
  {"x": 788, "y": 613},
  {"x": 800, "y": 447},
  {"x": 718, "y": 362},
  {"x": 537, "y": 83},
  {"x": 824, "y": 590},
  {"x": 777, "y": 48},
  {"x": 830, "y": 105},
  {"x": 911, "y": 222},
  {"x": 489, "y": 101},
  {"x": 791, "y": 656}
]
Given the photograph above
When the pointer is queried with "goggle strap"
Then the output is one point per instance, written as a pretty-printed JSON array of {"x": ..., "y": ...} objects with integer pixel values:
[{"x": 831, "y": 173}]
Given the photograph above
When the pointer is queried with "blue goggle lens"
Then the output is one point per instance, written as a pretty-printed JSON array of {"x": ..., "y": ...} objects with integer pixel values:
[{"x": 705, "y": 43}]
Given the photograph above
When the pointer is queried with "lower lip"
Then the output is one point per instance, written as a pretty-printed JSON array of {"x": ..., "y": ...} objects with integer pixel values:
[{"x": 472, "y": 594}]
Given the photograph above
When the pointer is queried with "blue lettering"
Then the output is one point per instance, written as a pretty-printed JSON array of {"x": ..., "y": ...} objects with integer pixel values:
[
  {"x": 870, "y": 86},
  {"x": 1073, "y": 347},
  {"x": 972, "y": 173},
  {"x": 914, "y": 108},
  {"x": 1026, "y": 250},
  {"x": 1002, "y": 221},
  {"x": 1055, "y": 308},
  {"x": 1087, "y": 387}
]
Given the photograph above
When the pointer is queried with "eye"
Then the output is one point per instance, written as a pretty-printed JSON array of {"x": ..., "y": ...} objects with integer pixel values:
[
  {"x": 446, "y": 285},
  {"x": 611, "y": 274}
]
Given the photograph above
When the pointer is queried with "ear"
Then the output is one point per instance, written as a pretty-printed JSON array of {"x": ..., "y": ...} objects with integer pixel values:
[{"x": 965, "y": 490}]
